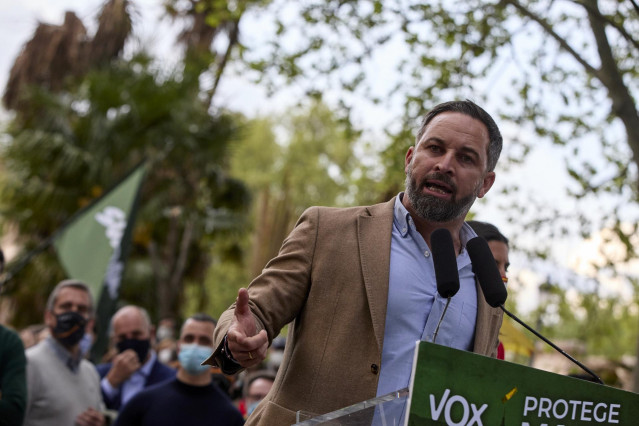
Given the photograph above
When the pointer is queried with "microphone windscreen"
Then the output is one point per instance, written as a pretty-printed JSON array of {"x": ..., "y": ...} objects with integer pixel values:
[
  {"x": 485, "y": 268},
  {"x": 445, "y": 262}
]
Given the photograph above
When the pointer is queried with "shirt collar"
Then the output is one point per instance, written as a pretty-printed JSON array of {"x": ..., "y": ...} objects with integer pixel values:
[
  {"x": 401, "y": 217},
  {"x": 145, "y": 370},
  {"x": 72, "y": 362},
  {"x": 466, "y": 233},
  {"x": 403, "y": 222}
]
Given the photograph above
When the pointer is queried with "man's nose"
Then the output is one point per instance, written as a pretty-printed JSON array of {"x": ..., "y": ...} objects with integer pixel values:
[
  {"x": 74, "y": 308},
  {"x": 445, "y": 163}
]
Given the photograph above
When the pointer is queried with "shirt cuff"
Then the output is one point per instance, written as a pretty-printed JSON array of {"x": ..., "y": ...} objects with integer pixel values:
[
  {"x": 226, "y": 362},
  {"x": 109, "y": 391}
]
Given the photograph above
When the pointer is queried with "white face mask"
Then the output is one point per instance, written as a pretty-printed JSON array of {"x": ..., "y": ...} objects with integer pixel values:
[
  {"x": 192, "y": 356},
  {"x": 165, "y": 356},
  {"x": 164, "y": 332}
]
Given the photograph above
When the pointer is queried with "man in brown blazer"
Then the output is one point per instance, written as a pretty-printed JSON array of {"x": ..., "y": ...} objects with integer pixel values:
[{"x": 341, "y": 276}]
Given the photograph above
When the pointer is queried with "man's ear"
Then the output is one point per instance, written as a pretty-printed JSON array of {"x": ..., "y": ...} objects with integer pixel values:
[
  {"x": 408, "y": 158},
  {"x": 90, "y": 324},
  {"x": 489, "y": 180},
  {"x": 49, "y": 318},
  {"x": 152, "y": 332}
]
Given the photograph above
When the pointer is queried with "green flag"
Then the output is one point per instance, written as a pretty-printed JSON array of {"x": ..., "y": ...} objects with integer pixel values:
[{"x": 92, "y": 247}]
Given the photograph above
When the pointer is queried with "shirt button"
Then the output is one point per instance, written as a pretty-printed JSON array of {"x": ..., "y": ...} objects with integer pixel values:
[
  {"x": 374, "y": 369},
  {"x": 426, "y": 254}
]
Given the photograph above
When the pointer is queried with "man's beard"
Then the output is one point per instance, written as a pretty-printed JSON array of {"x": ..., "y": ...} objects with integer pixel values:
[{"x": 435, "y": 209}]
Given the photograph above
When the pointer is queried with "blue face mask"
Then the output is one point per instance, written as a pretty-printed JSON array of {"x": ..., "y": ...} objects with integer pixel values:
[
  {"x": 85, "y": 344},
  {"x": 252, "y": 408},
  {"x": 191, "y": 357}
]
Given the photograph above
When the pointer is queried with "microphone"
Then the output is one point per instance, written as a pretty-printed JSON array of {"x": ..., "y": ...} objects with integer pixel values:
[
  {"x": 485, "y": 267},
  {"x": 495, "y": 293},
  {"x": 445, "y": 263}
]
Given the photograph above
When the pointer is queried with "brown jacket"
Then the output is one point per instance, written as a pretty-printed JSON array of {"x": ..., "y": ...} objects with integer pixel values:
[{"x": 330, "y": 279}]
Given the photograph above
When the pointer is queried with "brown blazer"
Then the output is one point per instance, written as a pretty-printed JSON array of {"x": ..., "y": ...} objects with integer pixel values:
[{"x": 330, "y": 279}]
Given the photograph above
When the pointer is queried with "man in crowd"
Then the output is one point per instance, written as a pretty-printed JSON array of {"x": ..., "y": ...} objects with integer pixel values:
[
  {"x": 191, "y": 398},
  {"x": 63, "y": 388},
  {"x": 257, "y": 386},
  {"x": 13, "y": 382},
  {"x": 359, "y": 283},
  {"x": 136, "y": 366}
]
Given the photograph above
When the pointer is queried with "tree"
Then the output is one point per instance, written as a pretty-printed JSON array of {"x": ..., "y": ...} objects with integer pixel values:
[
  {"x": 66, "y": 148},
  {"x": 56, "y": 54},
  {"x": 541, "y": 70},
  {"x": 307, "y": 158}
]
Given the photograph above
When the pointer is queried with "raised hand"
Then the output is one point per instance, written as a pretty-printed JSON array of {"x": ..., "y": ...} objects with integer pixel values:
[
  {"x": 123, "y": 366},
  {"x": 247, "y": 346}
]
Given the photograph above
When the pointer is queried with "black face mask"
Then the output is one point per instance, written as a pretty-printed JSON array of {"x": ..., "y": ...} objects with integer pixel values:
[
  {"x": 140, "y": 347},
  {"x": 69, "y": 328}
]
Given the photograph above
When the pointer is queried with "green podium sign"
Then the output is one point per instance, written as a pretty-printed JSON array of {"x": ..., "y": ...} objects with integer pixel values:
[{"x": 457, "y": 388}]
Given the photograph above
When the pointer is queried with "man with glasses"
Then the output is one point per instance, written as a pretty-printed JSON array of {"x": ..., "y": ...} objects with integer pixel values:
[{"x": 63, "y": 388}]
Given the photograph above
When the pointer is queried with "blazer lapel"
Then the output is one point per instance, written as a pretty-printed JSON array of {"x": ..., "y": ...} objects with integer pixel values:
[{"x": 374, "y": 235}]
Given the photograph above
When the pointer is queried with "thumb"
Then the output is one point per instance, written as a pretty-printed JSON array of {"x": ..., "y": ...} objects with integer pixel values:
[
  {"x": 241, "y": 303},
  {"x": 243, "y": 313}
]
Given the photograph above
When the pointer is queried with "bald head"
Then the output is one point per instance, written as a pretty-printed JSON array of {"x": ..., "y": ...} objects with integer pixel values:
[{"x": 131, "y": 322}]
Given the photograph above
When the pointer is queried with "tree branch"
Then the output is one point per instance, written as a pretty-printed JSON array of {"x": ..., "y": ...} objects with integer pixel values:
[
  {"x": 180, "y": 263},
  {"x": 593, "y": 10},
  {"x": 233, "y": 39},
  {"x": 560, "y": 40},
  {"x": 623, "y": 104}
]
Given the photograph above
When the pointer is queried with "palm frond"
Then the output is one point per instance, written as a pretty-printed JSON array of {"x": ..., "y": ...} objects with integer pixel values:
[
  {"x": 114, "y": 27},
  {"x": 54, "y": 53}
]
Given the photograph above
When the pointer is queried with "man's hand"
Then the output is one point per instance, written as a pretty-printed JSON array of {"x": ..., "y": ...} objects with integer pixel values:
[
  {"x": 122, "y": 367},
  {"x": 91, "y": 417},
  {"x": 247, "y": 347}
]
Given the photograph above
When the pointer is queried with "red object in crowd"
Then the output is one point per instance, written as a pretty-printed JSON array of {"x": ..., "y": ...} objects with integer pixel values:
[{"x": 241, "y": 405}]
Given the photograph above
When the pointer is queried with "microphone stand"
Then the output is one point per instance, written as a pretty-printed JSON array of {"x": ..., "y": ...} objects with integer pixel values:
[
  {"x": 557, "y": 348},
  {"x": 441, "y": 318}
]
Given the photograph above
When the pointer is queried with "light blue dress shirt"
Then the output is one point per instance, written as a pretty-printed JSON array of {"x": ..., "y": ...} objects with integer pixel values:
[
  {"x": 134, "y": 384},
  {"x": 414, "y": 307}
]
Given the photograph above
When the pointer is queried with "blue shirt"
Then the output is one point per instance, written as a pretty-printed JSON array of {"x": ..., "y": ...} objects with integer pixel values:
[
  {"x": 133, "y": 385},
  {"x": 414, "y": 307}
]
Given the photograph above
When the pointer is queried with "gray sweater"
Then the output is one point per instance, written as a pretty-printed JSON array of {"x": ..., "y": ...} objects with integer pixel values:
[{"x": 56, "y": 394}]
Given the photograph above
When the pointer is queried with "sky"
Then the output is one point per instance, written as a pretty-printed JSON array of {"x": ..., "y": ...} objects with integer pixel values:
[{"x": 542, "y": 176}]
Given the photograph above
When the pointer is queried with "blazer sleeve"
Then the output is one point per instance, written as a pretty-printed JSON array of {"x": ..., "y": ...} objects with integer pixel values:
[{"x": 278, "y": 294}]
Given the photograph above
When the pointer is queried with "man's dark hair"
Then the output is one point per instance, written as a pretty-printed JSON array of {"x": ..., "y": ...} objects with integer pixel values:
[
  {"x": 488, "y": 231},
  {"x": 200, "y": 316},
  {"x": 473, "y": 110}
]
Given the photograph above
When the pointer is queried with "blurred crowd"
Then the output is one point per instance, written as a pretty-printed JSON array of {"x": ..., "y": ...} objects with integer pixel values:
[{"x": 152, "y": 373}]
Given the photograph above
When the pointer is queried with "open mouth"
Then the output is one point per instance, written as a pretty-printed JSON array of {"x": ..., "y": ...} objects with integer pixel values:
[{"x": 438, "y": 188}]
